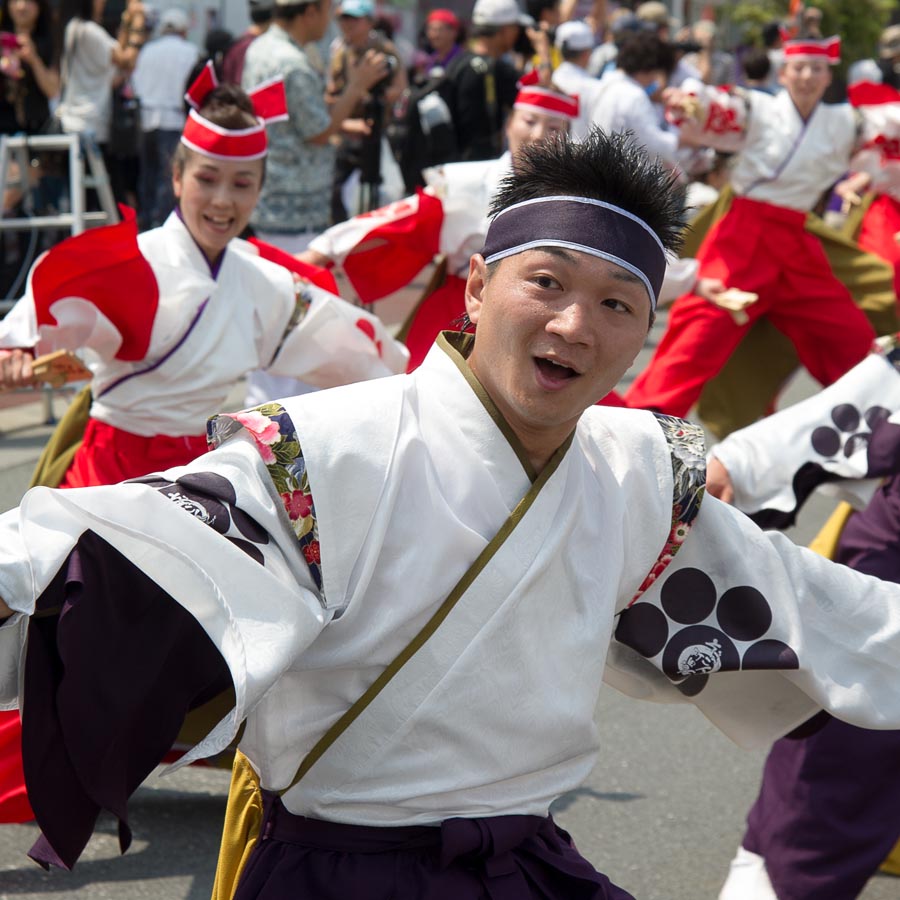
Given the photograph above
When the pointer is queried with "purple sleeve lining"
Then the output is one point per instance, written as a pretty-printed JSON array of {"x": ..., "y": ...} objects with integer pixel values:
[{"x": 113, "y": 666}]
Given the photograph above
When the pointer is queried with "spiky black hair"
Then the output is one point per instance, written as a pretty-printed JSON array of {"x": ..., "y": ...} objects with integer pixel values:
[{"x": 608, "y": 167}]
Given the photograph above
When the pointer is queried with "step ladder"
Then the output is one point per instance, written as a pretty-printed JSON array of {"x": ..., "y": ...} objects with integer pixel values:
[{"x": 83, "y": 153}]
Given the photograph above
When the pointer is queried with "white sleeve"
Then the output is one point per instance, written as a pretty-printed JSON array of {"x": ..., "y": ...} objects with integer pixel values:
[
  {"x": 19, "y": 326},
  {"x": 189, "y": 529},
  {"x": 334, "y": 343},
  {"x": 759, "y": 634},
  {"x": 776, "y": 462},
  {"x": 642, "y": 120}
]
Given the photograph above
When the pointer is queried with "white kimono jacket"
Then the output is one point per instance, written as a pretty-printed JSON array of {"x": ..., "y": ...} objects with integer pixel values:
[
  {"x": 374, "y": 501},
  {"x": 248, "y": 322}
]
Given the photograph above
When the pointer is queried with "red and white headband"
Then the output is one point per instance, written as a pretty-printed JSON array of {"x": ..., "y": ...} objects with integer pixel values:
[
  {"x": 828, "y": 49},
  {"x": 533, "y": 98},
  {"x": 237, "y": 144}
]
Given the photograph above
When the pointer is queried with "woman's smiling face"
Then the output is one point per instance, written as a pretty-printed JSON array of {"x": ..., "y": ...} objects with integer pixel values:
[{"x": 216, "y": 198}]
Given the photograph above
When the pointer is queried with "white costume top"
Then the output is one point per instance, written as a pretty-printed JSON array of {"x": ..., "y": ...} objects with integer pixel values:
[
  {"x": 494, "y": 714},
  {"x": 789, "y": 162},
  {"x": 464, "y": 189},
  {"x": 246, "y": 324},
  {"x": 577, "y": 81},
  {"x": 623, "y": 105}
]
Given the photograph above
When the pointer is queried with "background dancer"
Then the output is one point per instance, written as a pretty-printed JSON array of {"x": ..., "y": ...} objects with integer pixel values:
[
  {"x": 203, "y": 310},
  {"x": 795, "y": 148}
]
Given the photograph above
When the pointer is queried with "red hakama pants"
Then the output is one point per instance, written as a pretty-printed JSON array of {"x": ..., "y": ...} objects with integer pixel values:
[
  {"x": 765, "y": 249},
  {"x": 876, "y": 234}
]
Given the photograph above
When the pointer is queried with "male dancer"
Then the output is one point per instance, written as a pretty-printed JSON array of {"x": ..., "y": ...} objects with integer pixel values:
[
  {"x": 795, "y": 148},
  {"x": 462, "y": 551}
]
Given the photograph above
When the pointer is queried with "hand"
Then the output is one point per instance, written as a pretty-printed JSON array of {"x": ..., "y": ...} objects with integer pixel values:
[
  {"x": 709, "y": 288},
  {"x": 718, "y": 481},
  {"x": 540, "y": 40},
  {"x": 359, "y": 127},
  {"x": 371, "y": 69},
  {"x": 5, "y": 611},
  {"x": 850, "y": 189},
  {"x": 15, "y": 369},
  {"x": 27, "y": 50},
  {"x": 314, "y": 258}
]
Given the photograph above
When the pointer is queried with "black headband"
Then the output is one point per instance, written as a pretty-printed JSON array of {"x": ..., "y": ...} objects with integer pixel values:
[{"x": 580, "y": 223}]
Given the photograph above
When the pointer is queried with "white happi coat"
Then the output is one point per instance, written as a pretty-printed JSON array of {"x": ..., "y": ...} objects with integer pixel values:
[
  {"x": 464, "y": 189},
  {"x": 412, "y": 477},
  {"x": 789, "y": 162},
  {"x": 246, "y": 324}
]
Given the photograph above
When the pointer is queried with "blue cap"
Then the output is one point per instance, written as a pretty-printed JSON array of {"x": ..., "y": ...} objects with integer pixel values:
[{"x": 358, "y": 9}]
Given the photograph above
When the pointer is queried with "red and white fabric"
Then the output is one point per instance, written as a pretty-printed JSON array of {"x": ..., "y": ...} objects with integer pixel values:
[{"x": 205, "y": 137}]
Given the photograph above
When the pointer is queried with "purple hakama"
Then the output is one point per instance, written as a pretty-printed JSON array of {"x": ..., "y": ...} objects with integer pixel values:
[
  {"x": 498, "y": 858},
  {"x": 828, "y": 811}
]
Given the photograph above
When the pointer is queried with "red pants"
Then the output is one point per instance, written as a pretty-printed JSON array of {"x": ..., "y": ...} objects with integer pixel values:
[
  {"x": 879, "y": 225},
  {"x": 108, "y": 455},
  {"x": 765, "y": 249}
]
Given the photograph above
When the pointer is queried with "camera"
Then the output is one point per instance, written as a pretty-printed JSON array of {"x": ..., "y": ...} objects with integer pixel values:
[{"x": 392, "y": 65}]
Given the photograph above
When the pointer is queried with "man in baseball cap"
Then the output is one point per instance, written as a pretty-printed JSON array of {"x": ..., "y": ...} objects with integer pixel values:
[{"x": 498, "y": 13}]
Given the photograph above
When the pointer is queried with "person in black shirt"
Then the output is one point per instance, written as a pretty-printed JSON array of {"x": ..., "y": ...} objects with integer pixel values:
[
  {"x": 485, "y": 89},
  {"x": 28, "y": 65}
]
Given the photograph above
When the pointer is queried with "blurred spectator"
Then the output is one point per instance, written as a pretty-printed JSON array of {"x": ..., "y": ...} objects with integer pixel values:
[
  {"x": 295, "y": 200},
  {"x": 757, "y": 70},
  {"x": 889, "y": 55},
  {"x": 445, "y": 35},
  {"x": 809, "y": 20},
  {"x": 90, "y": 57},
  {"x": 29, "y": 69},
  {"x": 715, "y": 66},
  {"x": 217, "y": 43},
  {"x": 159, "y": 80},
  {"x": 260, "y": 19},
  {"x": 771, "y": 36},
  {"x": 644, "y": 63},
  {"x": 656, "y": 15},
  {"x": 541, "y": 35},
  {"x": 575, "y": 41},
  {"x": 622, "y": 22},
  {"x": 485, "y": 89},
  {"x": 358, "y": 37}
]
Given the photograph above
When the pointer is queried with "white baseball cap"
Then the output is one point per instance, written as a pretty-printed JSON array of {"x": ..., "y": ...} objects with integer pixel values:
[
  {"x": 499, "y": 12},
  {"x": 574, "y": 35},
  {"x": 175, "y": 20}
]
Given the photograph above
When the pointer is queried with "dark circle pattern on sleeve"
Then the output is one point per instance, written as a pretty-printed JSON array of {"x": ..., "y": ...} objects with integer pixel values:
[
  {"x": 210, "y": 497},
  {"x": 688, "y": 596},
  {"x": 644, "y": 628},
  {"x": 694, "y": 633},
  {"x": 830, "y": 441}
]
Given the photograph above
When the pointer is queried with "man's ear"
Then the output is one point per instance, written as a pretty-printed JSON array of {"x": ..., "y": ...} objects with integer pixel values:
[{"x": 475, "y": 284}]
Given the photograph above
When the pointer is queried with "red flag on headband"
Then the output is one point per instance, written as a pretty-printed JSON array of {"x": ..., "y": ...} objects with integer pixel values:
[
  {"x": 395, "y": 243},
  {"x": 103, "y": 267},
  {"x": 316, "y": 274},
  {"x": 270, "y": 100},
  {"x": 203, "y": 84}
]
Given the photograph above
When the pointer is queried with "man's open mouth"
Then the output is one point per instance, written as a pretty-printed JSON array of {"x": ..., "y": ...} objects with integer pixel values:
[{"x": 553, "y": 371}]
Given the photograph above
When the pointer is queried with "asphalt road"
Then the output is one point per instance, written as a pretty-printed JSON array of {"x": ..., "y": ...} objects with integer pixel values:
[{"x": 661, "y": 814}]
